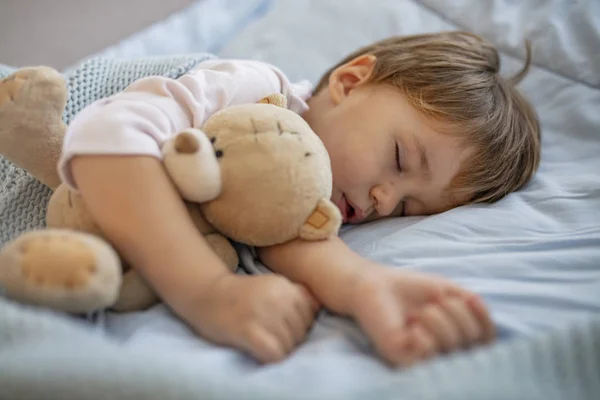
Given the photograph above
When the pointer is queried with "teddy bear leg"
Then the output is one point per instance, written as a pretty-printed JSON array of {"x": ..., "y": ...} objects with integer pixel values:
[
  {"x": 61, "y": 269},
  {"x": 224, "y": 250},
  {"x": 135, "y": 294},
  {"x": 32, "y": 103},
  {"x": 67, "y": 210}
]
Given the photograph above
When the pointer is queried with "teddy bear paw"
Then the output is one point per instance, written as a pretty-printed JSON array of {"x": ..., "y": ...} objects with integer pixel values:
[
  {"x": 60, "y": 261},
  {"x": 66, "y": 270}
]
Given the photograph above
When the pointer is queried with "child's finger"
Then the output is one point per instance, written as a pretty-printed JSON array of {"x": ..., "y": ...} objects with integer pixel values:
[
  {"x": 425, "y": 344},
  {"x": 464, "y": 318},
  {"x": 307, "y": 305},
  {"x": 296, "y": 325},
  {"x": 262, "y": 345},
  {"x": 382, "y": 319},
  {"x": 441, "y": 326},
  {"x": 418, "y": 345},
  {"x": 484, "y": 318},
  {"x": 284, "y": 332},
  {"x": 315, "y": 305}
]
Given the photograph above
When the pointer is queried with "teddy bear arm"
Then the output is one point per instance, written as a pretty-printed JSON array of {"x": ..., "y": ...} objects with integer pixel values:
[
  {"x": 323, "y": 222},
  {"x": 223, "y": 248},
  {"x": 67, "y": 210},
  {"x": 135, "y": 294}
]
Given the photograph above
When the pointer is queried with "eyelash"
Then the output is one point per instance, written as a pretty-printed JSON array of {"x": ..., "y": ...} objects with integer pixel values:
[{"x": 398, "y": 161}]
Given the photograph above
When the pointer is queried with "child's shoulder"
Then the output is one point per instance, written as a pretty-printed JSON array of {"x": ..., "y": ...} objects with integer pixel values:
[
  {"x": 100, "y": 77},
  {"x": 255, "y": 76}
]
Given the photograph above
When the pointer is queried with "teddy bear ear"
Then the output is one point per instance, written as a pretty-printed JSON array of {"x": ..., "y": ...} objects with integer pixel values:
[
  {"x": 324, "y": 222},
  {"x": 277, "y": 99}
]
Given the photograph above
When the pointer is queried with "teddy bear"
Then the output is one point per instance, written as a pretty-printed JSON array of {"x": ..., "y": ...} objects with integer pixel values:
[{"x": 255, "y": 174}]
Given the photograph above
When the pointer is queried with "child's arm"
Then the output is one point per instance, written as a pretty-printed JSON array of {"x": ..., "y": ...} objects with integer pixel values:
[
  {"x": 139, "y": 210},
  {"x": 112, "y": 153},
  {"x": 408, "y": 315}
]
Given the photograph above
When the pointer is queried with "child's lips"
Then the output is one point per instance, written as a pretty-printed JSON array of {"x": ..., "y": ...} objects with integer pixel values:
[{"x": 350, "y": 213}]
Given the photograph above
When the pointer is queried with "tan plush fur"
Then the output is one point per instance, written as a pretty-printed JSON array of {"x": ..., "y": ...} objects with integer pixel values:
[
  {"x": 61, "y": 269},
  {"x": 271, "y": 182},
  {"x": 274, "y": 167},
  {"x": 32, "y": 101}
]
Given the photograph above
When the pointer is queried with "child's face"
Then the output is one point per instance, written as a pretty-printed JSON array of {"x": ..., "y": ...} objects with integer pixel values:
[{"x": 387, "y": 158}]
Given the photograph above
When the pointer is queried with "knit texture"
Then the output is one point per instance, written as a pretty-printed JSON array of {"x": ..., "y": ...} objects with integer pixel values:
[{"x": 23, "y": 199}]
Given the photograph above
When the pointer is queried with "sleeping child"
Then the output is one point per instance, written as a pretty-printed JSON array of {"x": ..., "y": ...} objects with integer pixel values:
[{"x": 414, "y": 125}]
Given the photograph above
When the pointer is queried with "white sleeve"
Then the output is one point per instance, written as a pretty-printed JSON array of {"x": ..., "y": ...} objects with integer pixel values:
[{"x": 138, "y": 120}]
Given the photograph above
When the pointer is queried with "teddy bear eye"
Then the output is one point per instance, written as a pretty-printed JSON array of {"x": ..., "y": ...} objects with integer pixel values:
[
  {"x": 219, "y": 153},
  {"x": 213, "y": 140}
]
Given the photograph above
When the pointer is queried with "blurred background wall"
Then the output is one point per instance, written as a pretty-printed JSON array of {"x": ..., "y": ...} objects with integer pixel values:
[{"x": 60, "y": 32}]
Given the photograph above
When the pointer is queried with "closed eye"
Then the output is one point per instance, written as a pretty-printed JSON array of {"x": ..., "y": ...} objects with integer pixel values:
[{"x": 398, "y": 158}]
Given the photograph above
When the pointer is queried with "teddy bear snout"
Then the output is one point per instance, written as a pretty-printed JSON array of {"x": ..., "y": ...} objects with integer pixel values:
[{"x": 186, "y": 143}]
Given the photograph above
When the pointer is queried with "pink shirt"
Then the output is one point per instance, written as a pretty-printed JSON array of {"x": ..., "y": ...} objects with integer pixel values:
[{"x": 138, "y": 120}]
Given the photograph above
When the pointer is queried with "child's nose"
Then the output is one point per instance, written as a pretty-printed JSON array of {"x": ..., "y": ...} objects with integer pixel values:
[{"x": 384, "y": 199}]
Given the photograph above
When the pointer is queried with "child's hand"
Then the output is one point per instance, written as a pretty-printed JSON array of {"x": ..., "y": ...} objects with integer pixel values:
[
  {"x": 413, "y": 316},
  {"x": 266, "y": 315},
  {"x": 409, "y": 316}
]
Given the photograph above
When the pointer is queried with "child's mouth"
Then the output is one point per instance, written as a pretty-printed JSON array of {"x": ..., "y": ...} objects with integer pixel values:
[{"x": 349, "y": 213}]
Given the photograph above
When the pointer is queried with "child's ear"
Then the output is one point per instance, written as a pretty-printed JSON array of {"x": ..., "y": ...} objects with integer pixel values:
[{"x": 347, "y": 77}]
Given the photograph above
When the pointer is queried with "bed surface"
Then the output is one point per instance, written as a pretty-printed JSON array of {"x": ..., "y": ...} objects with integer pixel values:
[{"x": 534, "y": 256}]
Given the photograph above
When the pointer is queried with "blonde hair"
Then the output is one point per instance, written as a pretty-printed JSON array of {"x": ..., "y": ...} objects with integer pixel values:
[{"x": 454, "y": 77}]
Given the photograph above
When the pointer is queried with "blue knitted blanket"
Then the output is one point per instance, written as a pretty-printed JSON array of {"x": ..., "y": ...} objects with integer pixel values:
[{"x": 23, "y": 199}]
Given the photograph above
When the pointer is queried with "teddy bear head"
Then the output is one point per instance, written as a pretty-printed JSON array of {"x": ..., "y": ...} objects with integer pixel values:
[{"x": 273, "y": 176}]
